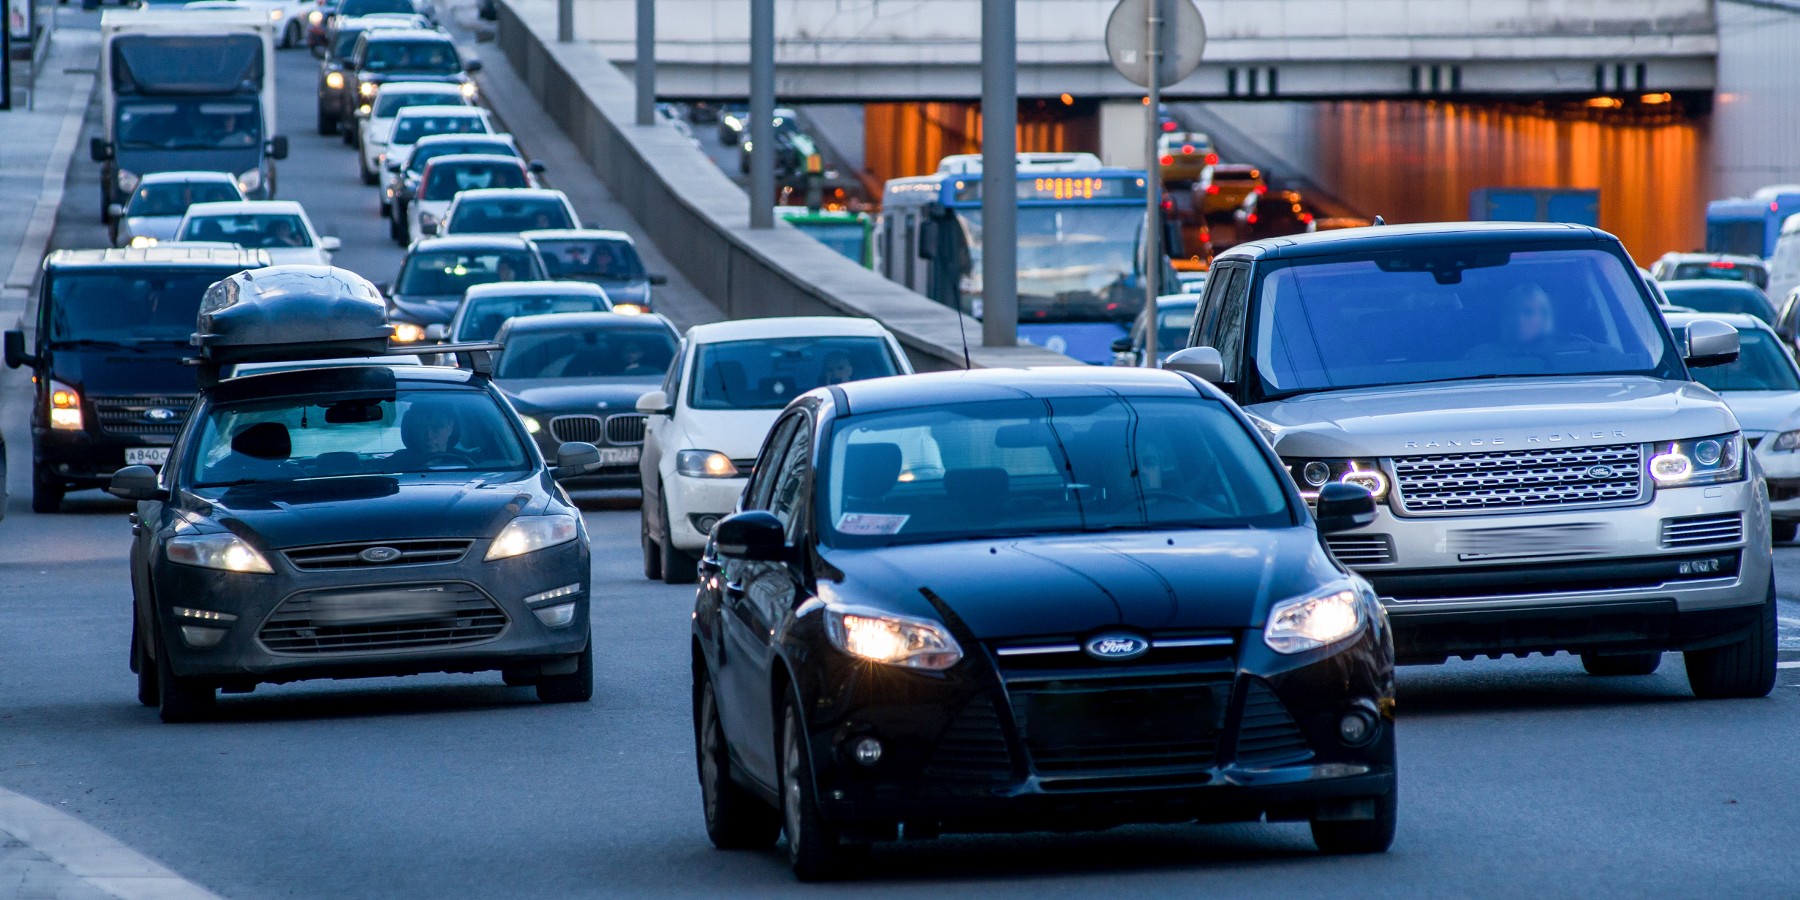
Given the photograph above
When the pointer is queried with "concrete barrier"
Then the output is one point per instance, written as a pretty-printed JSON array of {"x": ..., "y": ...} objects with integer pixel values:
[{"x": 700, "y": 218}]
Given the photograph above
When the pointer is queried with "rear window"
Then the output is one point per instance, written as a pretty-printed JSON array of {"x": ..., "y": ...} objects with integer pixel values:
[
  {"x": 389, "y": 104},
  {"x": 497, "y": 215},
  {"x": 1721, "y": 298},
  {"x": 592, "y": 258},
  {"x": 408, "y": 129},
  {"x": 444, "y": 182},
  {"x": 1722, "y": 270},
  {"x": 634, "y": 353},
  {"x": 483, "y": 316},
  {"x": 766, "y": 374}
]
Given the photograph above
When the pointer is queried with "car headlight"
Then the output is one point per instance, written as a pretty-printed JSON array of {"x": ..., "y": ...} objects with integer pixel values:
[
  {"x": 468, "y": 89},
  {"x": 276, "y": 14},
  {"x": 1708, "y": 460},
  {"x": 529, "y": 534},
  {"x": 250, "y": 181},
  {"x": 334, "y": 80},
  {"x": 317, "y": 17},
  {"x": 226, "y": 552},
  {"x": 891, "y": 639},
  {"x": 1312, "y": 474},
  {"x": 1785, "y": 442},
  {"x": 532, "y": 425},
  {"x": 1322, "y": 617},
  {"x": 705, "y": 464},
  {"x": 65, "y": 407},
  {"x": 628, "y": 309},
  {"x": 128, "y": 181},
  {"x": 408, "y": 333},
  {"x": 366, "y": 89}
]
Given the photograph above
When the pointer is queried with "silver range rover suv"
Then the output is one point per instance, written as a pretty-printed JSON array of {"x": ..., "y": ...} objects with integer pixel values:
[{"x": 1548, "y": 476}]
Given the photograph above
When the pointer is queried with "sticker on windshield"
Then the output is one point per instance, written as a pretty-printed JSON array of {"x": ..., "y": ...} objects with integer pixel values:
[{"x": 870, "y": 523}]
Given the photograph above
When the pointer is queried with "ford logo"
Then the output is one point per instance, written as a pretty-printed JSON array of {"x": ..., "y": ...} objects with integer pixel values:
[
  {"x": 1600, "y": 472},
  {"x": 1116, "y": 647},
  {"x": 379, "y": 555},
  {"x": 159, "y": 414}
]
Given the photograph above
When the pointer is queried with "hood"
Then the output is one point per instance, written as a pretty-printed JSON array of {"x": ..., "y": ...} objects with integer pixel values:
[
  {"x": 425, "y": 309},
  {"x": 367, "y": 508},
  {"x": 621, "y": 290},
  {"x": 154, "y": 369},
  {"x": 737, "y": 433},
  {"x": 232, "y": 160},
  {"x": 1498, "y": 414},
  {"x": 1074, "y": 584},
  {"x": 161, "y": 228},
  {"x": 583, "y": 395},
  {"x": 1759, "y": 411}
]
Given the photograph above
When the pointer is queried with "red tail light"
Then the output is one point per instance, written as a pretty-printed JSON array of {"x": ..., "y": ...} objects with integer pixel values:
[
  {"x": 1306, "y": 218},
  {"x": 1212, "y": 159},
  {"x": 1251, "y": 218},
  {"x": 1169, "y": 126},
  {"x": 1187, "y": 149},
  {"x": 1722, "y": 264},
  {"x": 1168, "y": 204},
  {"x": 1262, "y": 188},
  {"x": 1168, "y": 160},
  {"x": 1212, "y": 188}
]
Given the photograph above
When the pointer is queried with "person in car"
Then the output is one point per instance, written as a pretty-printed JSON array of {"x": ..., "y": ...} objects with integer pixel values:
[
  {"x": 282, "y": 234},
  {"x": 1527, "y": 326},
  {"x": 633, "y": 352},
  {"x": 837, "y": 369},
  {"x": 428, "y": 431}
]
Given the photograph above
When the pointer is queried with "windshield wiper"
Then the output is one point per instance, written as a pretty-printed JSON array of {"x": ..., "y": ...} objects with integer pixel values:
[{"x": 234, "y": 483}]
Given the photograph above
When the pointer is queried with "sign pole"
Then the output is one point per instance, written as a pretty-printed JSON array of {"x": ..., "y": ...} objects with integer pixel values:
[
  {"x": 1153, "y": 178},
  {"x": 762, "y": 113},
  {"x": 644, "y": 67},
  {"x": 999, "y": 174}
]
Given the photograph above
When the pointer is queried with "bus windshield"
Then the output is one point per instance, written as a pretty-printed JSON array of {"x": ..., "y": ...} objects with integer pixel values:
[
  {"x": 1076, "y": 263},
  {"x": 1739, "y": 236}
]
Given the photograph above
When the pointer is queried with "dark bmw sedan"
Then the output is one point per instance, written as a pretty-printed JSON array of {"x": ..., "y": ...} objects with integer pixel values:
[
  {"x": 1011, "y": 600},
  {"x": 577, "y": 377}
]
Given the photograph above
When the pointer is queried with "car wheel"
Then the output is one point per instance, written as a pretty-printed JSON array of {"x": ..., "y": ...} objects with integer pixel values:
[
  {"x": 181, "y": 699},
  {"x": 814, "y": 848},
  {"x": 678, "y": 566},
  {"x": 347, "y": 130},
  {"x": 1621, "y": 663},
  {"x": 369, "y": 176},
  {"x": 575, "y": 687},
  {"x": 147, "y": 693},
  {"x": 1742, "y": 669},
  {"x": 294, "y": 37},
  {"x": 46, "y": 492},
  {"x": 327, "y": 123},
  {"x": 652, "y": 551},
  {"x": 735, "y": 819},
  {"x": 1374, "y": 835},
  {"x": 1783, "y": 531}
]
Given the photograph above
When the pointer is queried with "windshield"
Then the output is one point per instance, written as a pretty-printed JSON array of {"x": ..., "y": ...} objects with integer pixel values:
[
  {"x": 446, "y": 180},
  {"x": 636, "y": 353},
  {"x": 1173, "y": 325},
  {"x": 455, "y": 271},
  {"x": 1721, "y": 271},
  {"x": 321, "y": 436},
  {"x": 766, "y": 374},
  {"x": 1761, "y": 366},
  {"x": 425, "y": 153},
  {"x": 1721, "y": 298},
  {"x": 483, "y": 316},
  {"x": 1435, "y": 314},
  {"x": 189, "y": 125},
  {"x": 1075, "y": 263},
  {"x": 346, "y": 42},
  {"x": 846, "y": 238},
  {"x": 350, "y": 9},
  {"x": 1037, "y": 466},
  {"x": 497, "y": 215},
  {"x": 389, "y": 105},
  {"x": 424, "y": 57},
  {"x": 252, "y": 232},
  {"x": 1741, "y": 236},
  {"x": 126, "y": 305},
  {"x": 174, "y": 198},
  {"x": 612, "y": 260},
  {"x": 408, "y": 129}
]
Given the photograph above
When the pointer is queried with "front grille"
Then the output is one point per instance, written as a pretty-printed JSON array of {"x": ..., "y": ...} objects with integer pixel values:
[
  {"x": 135, "y": 416},
  {"x": 348, "y": 556},
  {"x": 1156, "y": 724},
  {"x": 387, "y": 618},
  {"x": 1548, "y": 478},
  {"x": 1362, "y": 549},
  {"x": 585, "y": 429},
  {"x": 1268, "y": 735},
  {"x": 973, "y": 747},
  {"x": 1696, "y": 531},
  {"x": 625, "y": 428}
]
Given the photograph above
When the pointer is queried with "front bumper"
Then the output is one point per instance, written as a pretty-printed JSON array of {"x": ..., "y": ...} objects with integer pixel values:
[
  {"x": 84, "y": 459},
  {"x": 1782, "y": 471},
  {"x": 688, "y": 498}
]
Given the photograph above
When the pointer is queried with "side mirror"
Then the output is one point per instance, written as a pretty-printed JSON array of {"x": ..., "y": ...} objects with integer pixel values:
[
  {"x": 1709, "y": 342},
  {"x": 115, "y": 210},
  {"x": 655, "y": 403},
  {"x": 404, "y": 192},
  {"x": 535, "y": 167},
  {"x": 1342, "y": 507},
  {"x": 136, "y": 483},
  {"x": 471, "y": 65},
  {"x": 575, "y": 458},
  {"x": 1203, "y": 363},
  {"x": 437, "y": 331},
  {"x": 754, "y": 534},
  {"x": 15, "y": 351},
  {"x": 99, "y": 150},
  {"x": 278, "y": 147},
  {"x": 658, "y": 279},
  {"x": 330, "y": 243},
  {"x": 428, "y": 229},
  {"x": 1121, "y": 345}
]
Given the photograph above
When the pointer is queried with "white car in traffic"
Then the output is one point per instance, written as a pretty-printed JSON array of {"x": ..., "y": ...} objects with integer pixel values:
[
  {"x": 416, "y": 122},
  {"x": 279, "y": 227},
  {"x": 728, "y": 384},
  {"x": 375, "y": 127}
]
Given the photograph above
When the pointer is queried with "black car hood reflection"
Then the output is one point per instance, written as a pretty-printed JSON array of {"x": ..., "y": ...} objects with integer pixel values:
[
  {"x": 277, "y": 515},
  {"x": 1074, "y": 584},
  {"x": 589, "y": 395}
]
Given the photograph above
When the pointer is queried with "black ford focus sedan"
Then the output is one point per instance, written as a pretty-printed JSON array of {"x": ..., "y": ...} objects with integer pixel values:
[{"x": 1011, "y": 600}]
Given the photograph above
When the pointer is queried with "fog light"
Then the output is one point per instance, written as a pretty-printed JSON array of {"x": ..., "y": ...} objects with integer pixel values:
[
  {"x": 201, "y": 636},
  {"x": 1356, "y": 727},
  {"x": 866, "y": 751},
  {"x": 704, "y": 524},
  {"x": 556, "y": 616}
]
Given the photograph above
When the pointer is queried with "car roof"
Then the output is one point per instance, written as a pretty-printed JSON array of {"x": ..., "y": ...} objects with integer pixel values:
[
  {"x": 570, "y": 234},
  {"x": 977, "y": 385},
  {"x": 1709, "y": 284},
  {"x": 1739, "y": 258},
  {"x": 563, "y": 321},
  {"x": 441, "y": 109},
  {"x": 536, "y": 288},
  {"x": 453, "y": 158},
  {"x": 409, "y": 34},
  {"x": 420, "y": 87},
  {"x": 112, "y": 256},
  {"x": 471, "y": 242},
  {"x": 474, "y": 194},
  {"x": 246, "y": 207},
  {"x": 785, "y": 327},
  {"x": 1424, "y": 234},
  {"x": 185, "y": 177}
]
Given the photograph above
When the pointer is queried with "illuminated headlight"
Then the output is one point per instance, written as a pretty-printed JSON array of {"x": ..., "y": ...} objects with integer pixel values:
[
  {"x": 747, "y": 147},
  {"x": 1322, "y": 617},
  {"x": 140, "y": 241},
  {"x": 468, "y": 89},
  {"x": 128, "y": 181},
  {"x": 408, "y": 333},
  {"x": 532, "y": 425},
  {"x": 366, "y": 89},
  {"x": 628, "y": 309},
  {"x": 1312, "y": 474},
  {"x": 705, "y": 464},
  {"x": 1785, "y": 442},
  {"x": 276, "y": 14},
  {"x": 317, "y": 17},
  {"x": 529, "y": 534},
  {"x": 65, "y": 407},
  {"x": 334, "y": 80},
  {"x": 893, "y": 640},
  {"x": 1708, "y": 460},
  {"x": 226, "y": 552},
  {"x": 250, "y": 181}
]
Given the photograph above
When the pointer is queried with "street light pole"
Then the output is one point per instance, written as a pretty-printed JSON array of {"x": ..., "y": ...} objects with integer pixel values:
[
  {"x": 644, "y": 69},
  {"x": 762, "y": 113},
  {"x": 999, "y": 174},
  {"x": 1152, "y": 180}
]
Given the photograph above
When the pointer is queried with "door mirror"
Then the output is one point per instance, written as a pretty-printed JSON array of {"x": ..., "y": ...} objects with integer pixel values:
[
  {"x": 115, "y": 210},
  {"x": 471, "y": 65},
  {"x": 655, "y": 403},
  {"x": 15, "y": 351},
  {"x": 428, "y": 229},
  {"x": 575, "y": 458},
  {"x": 404, "y": 192},
  {"x": 278, "y": 147},
  {"x": 330, "y": 244},
  {"x": 136, "y": 483},
  {"x": 1121, "y": 345},
  {"x": 1203, "y": 363},
  {"x": 99, "y": 150},
  {"x": 535, "y": 167},
  {"x": 1342, "y": 507},
  {"x": 1709, "y": 342},
  {"x": 437, "y": 331},
  {"x": 755, "y": 534},
  {"x": 658, "y": 279}
]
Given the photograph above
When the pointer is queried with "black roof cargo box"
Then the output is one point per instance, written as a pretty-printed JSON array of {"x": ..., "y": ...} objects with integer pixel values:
[{"x": 282, "y": 313}]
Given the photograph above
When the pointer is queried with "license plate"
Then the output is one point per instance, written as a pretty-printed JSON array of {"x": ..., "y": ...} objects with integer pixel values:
[
  {"x": 146, "y": 456},
  {"x": 1572, "y": 539},
  {"x": 618, "y": 456},
  {"x": 382, "y": 607}
]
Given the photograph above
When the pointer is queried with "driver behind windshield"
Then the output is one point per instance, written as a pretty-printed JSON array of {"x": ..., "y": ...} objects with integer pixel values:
[
  {"x": 428, "y": 431},
  {"x": 1527, "y": 324}
]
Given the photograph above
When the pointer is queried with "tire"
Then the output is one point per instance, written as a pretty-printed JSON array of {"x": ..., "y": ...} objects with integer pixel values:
[
  {"x": 1362, "y": 836},
  {"x": 576, "y": 687},
  {"x": 652, "y": 551},
  {"x": 347, "y": 130},
  {"x": 678, "y": 566},
  {"x": 400, "y": 231},
  {"x": 182, "y": 699},
  {"x": 1783, "y": 531},
  {"x": 362, "y": 168},
  {"x": 147, "y": 693},
  {"x": 294, "y": 37},
  {"x": 327, "y": 123},
  {"x": 46, "y": 492},
  {"x": 1737, "y": 671},
  {"x": 1621, "y": 663},
  {"x": 815, "y": 849},
  {"x": 735, "y": 819}
]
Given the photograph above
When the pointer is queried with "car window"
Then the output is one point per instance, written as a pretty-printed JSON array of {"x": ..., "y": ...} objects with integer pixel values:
[
  {"x": 426, "y": 153},
  {"x": 425, "y": 57},
  {"x": 759, "y": 493},
  {"x": 408, "y": 129},
  {"x": 147, "y": 303},
  {"x": 174, "y": 198},
  {"x": 588, "y": 353},
  {"x": 1234, "y": 307},
  {"x": 1721, "y": 298},
  {"x": 498, "y": 215},
  {"x": 672, "y": 381},
  {"x": 788, "y": 487},
  {"x": 455, "y": 271},
  {"x": 766, "y": 374},
  {"x": 258, "y": 231},
  {"x": 483, "y": 316},
  {"x": 1720, "y": 270},
  {"x": 389, "y": 104},
  {"x": 445, "y": 180},
  {"x": 591, "y": 258}
]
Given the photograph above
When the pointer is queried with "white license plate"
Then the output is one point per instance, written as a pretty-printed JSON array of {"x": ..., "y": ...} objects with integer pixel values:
[
  {"x": 1573, "y": 539},
  {"x": 618, "y": 456},
  {"x": 146, "y": 456}
]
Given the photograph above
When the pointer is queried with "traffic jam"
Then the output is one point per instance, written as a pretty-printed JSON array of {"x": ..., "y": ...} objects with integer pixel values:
[{"x": 1132, "y": 590}]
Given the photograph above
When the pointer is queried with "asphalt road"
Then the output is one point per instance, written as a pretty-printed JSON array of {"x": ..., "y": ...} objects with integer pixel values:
[{"x": 1519, "y": 777}]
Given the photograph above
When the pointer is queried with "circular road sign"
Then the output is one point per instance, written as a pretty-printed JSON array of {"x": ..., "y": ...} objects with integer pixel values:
[{"x": 1183, "y": 40}]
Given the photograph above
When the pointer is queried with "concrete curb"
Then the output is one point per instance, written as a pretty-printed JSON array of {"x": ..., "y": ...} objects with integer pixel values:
[{"x": 90, "y": 855}]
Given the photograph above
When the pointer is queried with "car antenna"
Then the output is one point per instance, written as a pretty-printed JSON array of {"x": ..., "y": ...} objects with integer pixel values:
[
  {"x": 962, "y": 328},
  {"x": 1379, "y": 221}
]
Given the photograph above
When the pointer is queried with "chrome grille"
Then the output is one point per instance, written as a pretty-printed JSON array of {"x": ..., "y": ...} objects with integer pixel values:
[
  {"x": 347, "y": 556},
  {"x": 1362, "y": 549},
  {"x": 1268, "y": 735},
  {"x": 586, "y": 429},
  {"x": 625, "y": 428},
  {"x": 1696, "y": 531},
  {"x": 131, "y": 415},
  {"x": 439, "y": 615},
  {"x": 1547, "y": 478}
]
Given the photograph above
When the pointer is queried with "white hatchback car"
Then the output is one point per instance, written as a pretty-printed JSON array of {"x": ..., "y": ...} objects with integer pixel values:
[
  {"x": 277, "y": 227},
  {"x": 374, "y": 127},
  {"x": 727, "y": 385}
]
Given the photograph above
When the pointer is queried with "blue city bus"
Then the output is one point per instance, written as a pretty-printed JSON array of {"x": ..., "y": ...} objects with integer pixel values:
[
  {"x": 1750, "y": 226},
  {"x": 1081, "y": 227}
]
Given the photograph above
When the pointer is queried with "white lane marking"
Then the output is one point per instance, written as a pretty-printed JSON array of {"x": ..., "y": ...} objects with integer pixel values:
[
  {"x": 1791, "y": 664},
  {"x": 91, "y": 855}
]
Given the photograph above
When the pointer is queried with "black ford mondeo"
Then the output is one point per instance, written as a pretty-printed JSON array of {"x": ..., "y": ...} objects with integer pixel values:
[{"x": 1020, "y": 600}]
